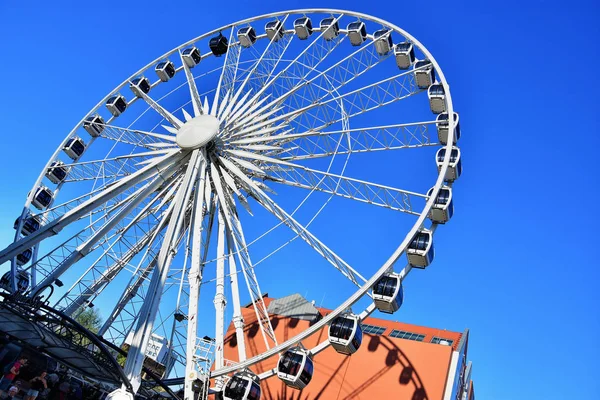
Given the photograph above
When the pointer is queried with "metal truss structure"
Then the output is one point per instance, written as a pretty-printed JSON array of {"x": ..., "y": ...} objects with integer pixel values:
[{"x": 173, "y": 173}]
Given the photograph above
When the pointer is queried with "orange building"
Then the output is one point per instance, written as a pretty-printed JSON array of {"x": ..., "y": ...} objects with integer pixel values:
[{"x": 396, "y": 360}]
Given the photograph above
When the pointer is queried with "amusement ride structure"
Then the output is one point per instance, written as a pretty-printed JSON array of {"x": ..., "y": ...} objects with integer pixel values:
[{"x": 158, "y": 182}]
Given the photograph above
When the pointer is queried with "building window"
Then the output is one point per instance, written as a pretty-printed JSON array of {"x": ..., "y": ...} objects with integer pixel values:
[
  {"x": 437, "y": 340},
  {"x": 373, "y": 329},
  {"x": 407, "y": 335}
]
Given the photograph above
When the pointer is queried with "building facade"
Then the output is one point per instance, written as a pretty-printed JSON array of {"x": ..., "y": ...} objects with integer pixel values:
[{"x": 396, "y": 360}]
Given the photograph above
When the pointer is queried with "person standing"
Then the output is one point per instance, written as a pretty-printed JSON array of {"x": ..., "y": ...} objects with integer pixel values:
[
  {"x": 10, "y": 375},
  {"x": 38, "y": 384}
]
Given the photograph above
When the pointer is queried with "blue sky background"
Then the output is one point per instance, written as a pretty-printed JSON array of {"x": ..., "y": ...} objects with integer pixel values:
[{"x": 517, "y": 263}]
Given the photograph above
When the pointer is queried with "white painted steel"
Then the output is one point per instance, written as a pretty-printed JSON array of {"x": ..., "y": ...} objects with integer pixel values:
[{"x": 241, "y": 121}]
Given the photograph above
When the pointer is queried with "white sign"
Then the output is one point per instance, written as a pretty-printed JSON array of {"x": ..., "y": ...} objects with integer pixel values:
[{"x": 157, "y": 347}]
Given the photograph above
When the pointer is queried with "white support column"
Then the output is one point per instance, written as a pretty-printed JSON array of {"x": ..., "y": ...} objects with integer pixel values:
[
  {"x": 143, "y": 331},
  {"x": 195, "y": 278},
  {"x": 238, "y": 320},
  {"x": 220, "y": 301}
]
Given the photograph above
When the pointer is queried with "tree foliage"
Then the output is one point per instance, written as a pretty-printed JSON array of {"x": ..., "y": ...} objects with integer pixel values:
[{"x": 90, "y": 319}]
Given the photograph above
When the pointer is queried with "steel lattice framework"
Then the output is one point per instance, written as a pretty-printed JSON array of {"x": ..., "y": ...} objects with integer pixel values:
[{"x": 175, "y": 176}]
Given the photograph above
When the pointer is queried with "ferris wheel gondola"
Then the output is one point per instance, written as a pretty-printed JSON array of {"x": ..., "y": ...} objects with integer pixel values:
[
  {"x": 295, "y": 367},
  {"x": 244, "y": 385},
  {"x": 388, "y": 294},
  {"x": 345, "y": 333}
]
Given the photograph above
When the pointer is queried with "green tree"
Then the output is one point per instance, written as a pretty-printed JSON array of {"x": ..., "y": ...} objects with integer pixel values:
[{"x": 90, "y": 319}]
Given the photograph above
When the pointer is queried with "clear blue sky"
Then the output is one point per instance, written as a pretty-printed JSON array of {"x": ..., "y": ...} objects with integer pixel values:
[{"x": 516, "y": 264}]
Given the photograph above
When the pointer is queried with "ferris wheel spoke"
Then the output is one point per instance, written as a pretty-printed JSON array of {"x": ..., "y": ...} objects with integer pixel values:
[
  {"x": 314, "y": 53},
  {"x": 317, "y": 144},
  {"x": 136, "y": 137},
  {"x": 85, "y": 248},
  {"x": 196, "y": 102},
  {"x": 347, "y": 69},
  {"x": 359, "y": 190},
  {"x": 66, "y": 253},
  {"x": 228, "y": 73},
  {"x": 108, "y": 169},
  {"x": 120, "y": 321},
  {"x": 145, "y": 324},
  {"x": 255, "y": 77},
  {"x": 296, "y": 227},
  {"x": 161, "y": 110},
  {"x": 356, "y": 102},
  {"x": 269, "y": 61},
  {"x": 235, "y": 230},
  {"x": 167, "y": 163},
  {"x": 107, "y": 266},
  {"x": 330, "y": 81}
]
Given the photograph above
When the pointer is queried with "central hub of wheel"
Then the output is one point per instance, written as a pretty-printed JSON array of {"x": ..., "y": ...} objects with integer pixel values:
[{"x": 197, "y": 132}]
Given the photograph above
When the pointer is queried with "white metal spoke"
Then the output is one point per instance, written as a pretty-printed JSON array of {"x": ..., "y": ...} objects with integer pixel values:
[
  {"x": 301, "y": 231},
  {"x": 161, "y": 110},
  {"x": 360, "y": 140},
  {"x": 228, "y": 72},
  {"x": 356, "y": 102},
  {"x": 235, "y": 230},
  {"x": 108, "y": 169},
  {"x": 311, "y": 57},
  {"x": 56, "y": 225},
  {"x": 196, "y": 102},
  {"x": 109, "y": 265},
  {"x": 141, "y": 336},
  {"x": 135, "y": 137},
  {"x": 355, "y": 189},
  {"x": 86, "y": 247}
]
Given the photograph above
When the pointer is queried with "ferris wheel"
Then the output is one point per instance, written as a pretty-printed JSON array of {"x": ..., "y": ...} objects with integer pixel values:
[{"x": 153, "y": 195}]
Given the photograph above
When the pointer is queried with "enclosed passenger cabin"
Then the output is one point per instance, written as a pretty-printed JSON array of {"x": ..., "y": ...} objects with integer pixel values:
[
  {"x": 303, "y": 28},
  {"x": 140, "y": 85},
  {"x": 383, "y": 41},
  {"x": 454, "y": 168},
  {"x": 246, "y": 36},
  {"x": 274, "y": 30},
  {"x": 22, "y": 281},
  {"x": 74, "y": 147},
  {"x": 165, "y": 70},
  {"x": 295, "y": 367},
  {"x": 424, "y": 74},
  {"x": 388, "y": 293},
  {"x": 42, "y": 197},
  {"x": 218, "y": 45},
  {"x": 191, "y": 56},
  {"x": 357, "y": 32},
  {"x": 405, "y": 55},
  {"x": 24, "y": 257},
  {"x": 442, "y": 128},
  {"x": 345, "y": 333},
  {"x": 116, "y": 105},
  {"x": 330, "y": 28},
  {"x": 443, "y": 208},
  {"x": 57, "y": 172},
  {"x": 243, "y": 385},
  {"x": 437, "y": 98},
  {"x": 94, "y": 125},
  {"x": 30, "y": 224},
  {"x": 420, "y": 250}
]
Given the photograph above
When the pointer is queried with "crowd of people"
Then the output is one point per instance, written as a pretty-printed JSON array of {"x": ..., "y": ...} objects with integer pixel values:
[{"x": 43, "y": 386}]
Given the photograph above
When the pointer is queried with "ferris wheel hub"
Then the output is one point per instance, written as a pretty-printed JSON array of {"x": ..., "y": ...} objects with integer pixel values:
[{"x": 197, "y": 132}]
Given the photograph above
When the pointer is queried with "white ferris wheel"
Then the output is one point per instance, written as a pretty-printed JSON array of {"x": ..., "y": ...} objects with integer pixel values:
[{"x": 152, "y": 195}]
